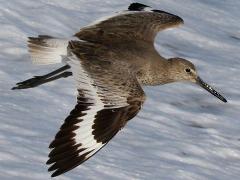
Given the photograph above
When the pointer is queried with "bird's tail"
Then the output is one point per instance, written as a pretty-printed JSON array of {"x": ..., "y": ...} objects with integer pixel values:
[{"x": 46, "y": 50}]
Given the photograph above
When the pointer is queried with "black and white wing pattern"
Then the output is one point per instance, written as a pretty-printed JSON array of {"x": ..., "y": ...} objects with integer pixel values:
[
  {"x": 109, "y": 95},
  {"x": 139, "y": 22}
]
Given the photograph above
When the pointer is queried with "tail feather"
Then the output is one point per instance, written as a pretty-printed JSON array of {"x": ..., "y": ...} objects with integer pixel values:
[{"x": 46, "y": 50}]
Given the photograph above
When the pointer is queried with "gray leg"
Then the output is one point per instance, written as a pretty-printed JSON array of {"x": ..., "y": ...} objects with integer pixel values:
[{"x": 39, "y": 80}]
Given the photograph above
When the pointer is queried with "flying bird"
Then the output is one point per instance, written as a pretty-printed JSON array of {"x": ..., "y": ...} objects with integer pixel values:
[{"x": 110, "y": 61}]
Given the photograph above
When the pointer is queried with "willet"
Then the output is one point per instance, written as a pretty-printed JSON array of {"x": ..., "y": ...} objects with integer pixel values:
[{"x": 110, "y": 60}]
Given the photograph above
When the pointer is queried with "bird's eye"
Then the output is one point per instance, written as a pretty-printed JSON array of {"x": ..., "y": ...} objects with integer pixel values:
[{"x": 188, "y": 70}]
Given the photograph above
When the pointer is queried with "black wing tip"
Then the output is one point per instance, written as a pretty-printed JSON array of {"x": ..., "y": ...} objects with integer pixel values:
[
  {"x": 137, "y": 7},
  {"x": 55, "y": 174}
]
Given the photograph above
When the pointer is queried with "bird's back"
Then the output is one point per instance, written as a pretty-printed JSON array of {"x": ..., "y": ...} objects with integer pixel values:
[{"x": 139, "y": 56}]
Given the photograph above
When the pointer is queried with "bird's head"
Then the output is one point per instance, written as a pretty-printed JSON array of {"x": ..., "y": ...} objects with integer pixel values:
[{"x": 183, "y": 70}]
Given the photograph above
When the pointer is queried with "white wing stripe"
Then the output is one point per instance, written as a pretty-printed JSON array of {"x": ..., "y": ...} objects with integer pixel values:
[
  {"x": 93, "y": 148},
  {"x": 84, "y": 134}
]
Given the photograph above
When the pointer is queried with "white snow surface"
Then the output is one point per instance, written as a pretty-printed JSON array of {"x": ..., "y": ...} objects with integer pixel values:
[{"x": 182, "y": 132}]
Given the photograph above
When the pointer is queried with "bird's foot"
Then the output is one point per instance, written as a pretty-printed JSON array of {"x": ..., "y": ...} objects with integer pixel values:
[{"x": 30, "y": 83}]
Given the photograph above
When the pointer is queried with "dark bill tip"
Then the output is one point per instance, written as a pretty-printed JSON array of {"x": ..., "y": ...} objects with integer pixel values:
[{"x": 210, "y": 89}]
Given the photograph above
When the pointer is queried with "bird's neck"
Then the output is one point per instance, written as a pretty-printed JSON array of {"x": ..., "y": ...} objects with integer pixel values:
[
  {"x": 162, "y": 72},
  {"x": 156, "y": 73}
]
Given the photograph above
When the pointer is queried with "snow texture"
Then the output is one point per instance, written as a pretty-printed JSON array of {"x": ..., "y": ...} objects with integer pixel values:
[{"x": 182, "y": 132}]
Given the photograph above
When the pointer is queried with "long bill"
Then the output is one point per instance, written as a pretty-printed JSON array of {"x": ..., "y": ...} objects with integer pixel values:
[{"x": 210, "y": 89}]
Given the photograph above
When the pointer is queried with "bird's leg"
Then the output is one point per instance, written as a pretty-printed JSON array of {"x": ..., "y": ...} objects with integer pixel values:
[
  {"x": 39, "y": 80},
  {"x": 61, "y": 69}
]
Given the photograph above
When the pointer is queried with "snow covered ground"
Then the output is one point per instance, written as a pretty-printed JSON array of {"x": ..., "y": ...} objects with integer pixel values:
[{"x": 182, "y": 132}]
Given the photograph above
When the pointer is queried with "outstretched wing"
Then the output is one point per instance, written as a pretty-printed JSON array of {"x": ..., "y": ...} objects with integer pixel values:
[
  {"x": 108, "y": 96},
  {"x": 140, "y": 22}
]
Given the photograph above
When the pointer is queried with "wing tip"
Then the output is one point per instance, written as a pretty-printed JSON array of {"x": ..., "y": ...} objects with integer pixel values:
[
  {"x": 66, "y": 164},
  {"x": 56, "y": 173},
  {"x": 137, "y": 7},
  {"x": 142, "y": 7}
]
